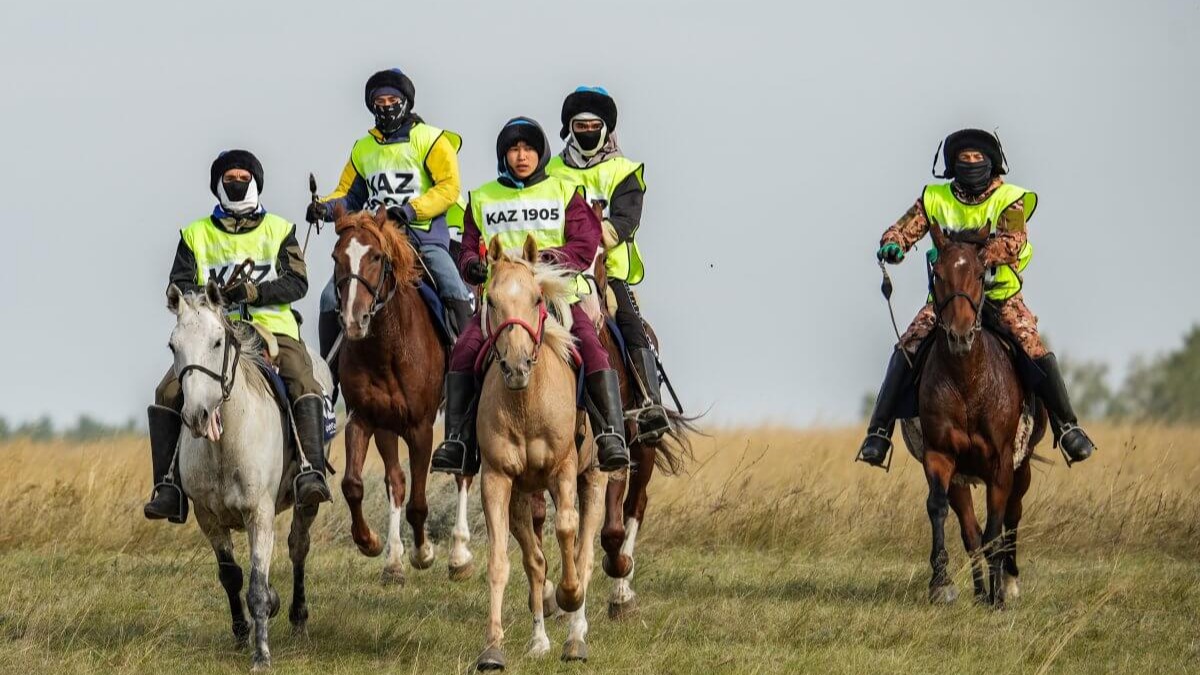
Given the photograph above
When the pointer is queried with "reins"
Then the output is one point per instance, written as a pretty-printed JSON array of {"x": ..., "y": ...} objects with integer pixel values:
[
  {"x": 378, "y": 300},
  {"x": 228, "y": 365}
]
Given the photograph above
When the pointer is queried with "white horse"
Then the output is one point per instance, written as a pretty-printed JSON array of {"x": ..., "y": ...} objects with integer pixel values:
[{"x": 236, "y": 464}]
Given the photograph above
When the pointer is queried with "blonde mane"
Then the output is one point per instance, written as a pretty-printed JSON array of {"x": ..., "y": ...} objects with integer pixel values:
[
  {"x": 557, "y": 286},
  {"x": 392, "y": 242}
]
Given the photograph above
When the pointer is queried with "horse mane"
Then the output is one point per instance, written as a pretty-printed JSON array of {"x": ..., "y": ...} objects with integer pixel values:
[
  {"x": 392, "y": 242},
  {"x": 969, "y": 237},
  {"x": 557, "y": 286},
  {"x": 251, "y": 360}
]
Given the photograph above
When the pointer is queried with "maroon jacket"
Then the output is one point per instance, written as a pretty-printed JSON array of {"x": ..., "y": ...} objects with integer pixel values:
[{"x": 582, "y": 234}]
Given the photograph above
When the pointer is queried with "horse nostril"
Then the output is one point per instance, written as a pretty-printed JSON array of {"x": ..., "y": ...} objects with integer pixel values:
[{"x": 504, "y": 367}]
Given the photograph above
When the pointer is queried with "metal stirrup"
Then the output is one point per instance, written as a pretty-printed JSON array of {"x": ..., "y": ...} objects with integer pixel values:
[{"x": 879, "y": 433}]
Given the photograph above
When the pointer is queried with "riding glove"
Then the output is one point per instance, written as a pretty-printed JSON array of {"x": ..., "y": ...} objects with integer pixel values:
[
  {"x": 890, "y": 252},
  {"x": 317, "y": 212},
  {"x": 476, "y": 272}
]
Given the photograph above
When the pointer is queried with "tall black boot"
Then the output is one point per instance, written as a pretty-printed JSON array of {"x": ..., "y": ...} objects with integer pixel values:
[
  {"x": 608, "y": 420},
  {"x": 167, "y": 500},
  {"x": 875, "y": 448},
  {"x": 459, "y": 453},
  {"x": 1068, "y": 435},
  {"x": 309, "y": 414},
  {"x": 652, "y": 421},
  {"x": 328, "y": 329},
  {"x": 461, "y": 311}
]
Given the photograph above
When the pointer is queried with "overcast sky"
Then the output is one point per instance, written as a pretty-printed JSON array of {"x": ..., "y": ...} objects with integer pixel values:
[{"x": 780, "y": 139}]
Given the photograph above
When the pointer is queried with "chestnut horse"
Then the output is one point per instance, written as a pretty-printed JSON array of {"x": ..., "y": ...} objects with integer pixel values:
[
  {"x": 971, "y": 399},
  {"x": 391, "y": 365}
]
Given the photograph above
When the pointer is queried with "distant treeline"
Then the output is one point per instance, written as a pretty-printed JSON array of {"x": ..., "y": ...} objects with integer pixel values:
[{"x": 86, "y": 428}]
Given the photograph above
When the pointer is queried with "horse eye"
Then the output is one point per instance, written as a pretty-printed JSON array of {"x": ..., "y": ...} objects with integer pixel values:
[{"x": 217, "y": 343}]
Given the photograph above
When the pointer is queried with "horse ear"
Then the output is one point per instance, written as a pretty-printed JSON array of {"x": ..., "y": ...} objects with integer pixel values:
[
  {"x": 494, "y": 252},
  {"x": 381, "y": 215},
  {"x": 339, "y": 211},
  {"x": 174, "y": 297},
  {"x": 212, "y": 293},
  {"x": 530, "y": 251},
  {"x": 936, "y": 233}
]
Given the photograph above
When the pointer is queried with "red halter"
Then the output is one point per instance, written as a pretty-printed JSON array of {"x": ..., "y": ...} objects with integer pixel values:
[{"x": 489, "y": 344}]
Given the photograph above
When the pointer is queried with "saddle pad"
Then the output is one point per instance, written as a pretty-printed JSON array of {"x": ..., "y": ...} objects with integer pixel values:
[
  {"x": 437, "y": 312},
  {"x": 910, "y": 429},
  {"x": 279, "y": 388}
]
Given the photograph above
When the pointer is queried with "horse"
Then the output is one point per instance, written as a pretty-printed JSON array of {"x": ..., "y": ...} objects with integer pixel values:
[
  {"x": 526, "y": 427},
  {"x": 237, "y": 463},
  {"x": 971, "y": 402},
  {"x": 391, "y": 366}
]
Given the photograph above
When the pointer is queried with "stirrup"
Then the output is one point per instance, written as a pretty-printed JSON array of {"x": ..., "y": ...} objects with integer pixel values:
[
  {"x": 1065, "y": 429},
  {"x": 180, "y": 516},
  {"x": 596, "y": 447},
  {"x": 311, "y": 470},
  {"x": 458, "y": 470},
  {"x": 652, "y": 436},
  {"x": 886, "y": 464}
]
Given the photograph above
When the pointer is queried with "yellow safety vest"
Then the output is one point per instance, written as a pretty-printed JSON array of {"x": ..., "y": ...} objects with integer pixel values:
[
  {"x": 218, "y": 253},
  {"x": 512, "y": 214},
  {"x": 600, "y": 182},
  {"x": 395, "y": 173},
  {"x": 952, "y": 214}
]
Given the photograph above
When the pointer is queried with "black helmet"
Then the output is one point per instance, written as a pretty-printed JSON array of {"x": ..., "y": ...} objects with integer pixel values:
[
  {"x": 971, "y": 139},
  {"x": 394, "y": 79},
  {"x": 235, "y": 159},
  {"x": 595, "y": 100}
]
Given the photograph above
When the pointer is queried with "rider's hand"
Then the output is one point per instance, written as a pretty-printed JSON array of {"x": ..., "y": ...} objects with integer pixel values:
[
  {"x": 476, "y": 272},
  {"x": 890, "y": 252},
  {"x": 403, "y": 215},
  {"x": 317, "y": 212},
  {"x": 241, "y": 292}
]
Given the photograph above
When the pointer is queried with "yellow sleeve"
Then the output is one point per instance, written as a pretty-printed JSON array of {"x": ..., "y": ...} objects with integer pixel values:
[
  {"x": 349, "y": 174},
  {"x": 442, "y": 163}
]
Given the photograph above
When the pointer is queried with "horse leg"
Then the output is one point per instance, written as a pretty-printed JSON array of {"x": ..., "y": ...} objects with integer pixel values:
[
  {"x": 298, "y": 544},
  {"x": 393, "y": 482},
  {"x": 358, "y": 435},
  {"x": 591, "y": 506},
  {"x": 968, "y": 525},
  {"x": 939, "y": 468},
  {"x": 566, "y": 525},
  {"x": 496, "y": 489},
  {"x": 537, "y": 503},
  {"x": 998, "y": 491},
  {"x": 1012, "y": 518},
  {"x": 228, "y": 571},
  {"x": 420, "y": 449},
  {"x": 521, "y": 520},
  {"x": 623, "y": 600},
  {"x": 263, "y": 600},
  {"x": 461, "y": 562},
  {"x": 612, "y": 536}
]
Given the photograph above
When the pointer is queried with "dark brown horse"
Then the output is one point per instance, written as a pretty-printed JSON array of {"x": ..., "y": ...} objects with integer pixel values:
[
  {"x": 391, "y": 365},
  {"x": 971, "y": 403}
]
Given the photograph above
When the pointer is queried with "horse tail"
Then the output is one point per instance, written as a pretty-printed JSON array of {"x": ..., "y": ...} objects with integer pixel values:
[{"x": 674, "y": 450}]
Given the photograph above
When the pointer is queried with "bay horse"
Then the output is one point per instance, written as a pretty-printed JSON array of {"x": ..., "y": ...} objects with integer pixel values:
[
  {"x": 391, "y": 365},
  {"x": 526, "y": 426},
  {"x": 237, "y": 463},
  {"x": 971, "y": 400}
]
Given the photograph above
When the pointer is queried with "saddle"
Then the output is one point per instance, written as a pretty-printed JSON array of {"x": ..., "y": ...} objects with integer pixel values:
[{"x": 446, "y": 330}]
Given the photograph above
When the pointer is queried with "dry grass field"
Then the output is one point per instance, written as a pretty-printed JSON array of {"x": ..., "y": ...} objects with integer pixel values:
[{"x": 775, "y": 555}]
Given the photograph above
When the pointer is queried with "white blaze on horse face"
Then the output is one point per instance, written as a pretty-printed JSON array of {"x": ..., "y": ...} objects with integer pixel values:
[{"x": 355, "y": 252}]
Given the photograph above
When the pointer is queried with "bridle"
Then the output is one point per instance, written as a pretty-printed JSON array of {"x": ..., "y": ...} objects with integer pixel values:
[
  {"x": 378, "y": 299},
  {"x": 228, "y": 374},
  {"x": 491, "y": 336},
  {"x": 940, "y": 305}
]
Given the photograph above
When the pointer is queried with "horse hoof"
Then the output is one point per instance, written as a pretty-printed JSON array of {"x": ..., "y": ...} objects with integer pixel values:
[
  {"x": 261, "y": 665},
  {"x": 272, "y": 602},
  {"x": 241, "y": 634},
  {"x": 422, "y": 558},
  {"x": 300, "y": 630},
  {"x": 372, "y": 548},
  {"x": 943, "y": 595},
  {"x": 622, "y": 610},
  {"x": 538, "y": 647},
  {"x": 462, "y": 572},
  {"x": 575, "y": 650},
  {"x": 491, "y": 659},
  {"x": 393, "y": 576},
  {"x": 619, "y": 568},
  {"x": 1012, "y": 588}
]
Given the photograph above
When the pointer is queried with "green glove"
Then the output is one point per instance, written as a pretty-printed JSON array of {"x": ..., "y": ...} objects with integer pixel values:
[
  {"x": 891, "y": 252},
  {"x": 931, "y": 255}
]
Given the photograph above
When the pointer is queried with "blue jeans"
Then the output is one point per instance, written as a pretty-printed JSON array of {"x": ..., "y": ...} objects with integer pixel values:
[{"x": 443, "y": 270}]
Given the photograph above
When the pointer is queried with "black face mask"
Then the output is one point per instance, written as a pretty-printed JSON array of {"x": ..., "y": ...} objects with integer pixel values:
[
  {"x": 973, "y": 177},
  {"x": 236, "y": 189},
  {"x": 588, "y": 140},
  {"x": 389, "y": 118}
]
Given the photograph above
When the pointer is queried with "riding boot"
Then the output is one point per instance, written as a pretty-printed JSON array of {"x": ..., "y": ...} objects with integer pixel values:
[
  {"x": 309, "y": 414},
  {"x": 328, "y": 329},
  {"x": 608, "y": 420},
  {"x": 875, "y": 448},
  {"x": 1068, "y": 435},
  {"x": 652, "y": 420},
  {"x": 167, "y": 500},
  {"x": 459, "y": 453},
  {"x": 461, "y": 311}
]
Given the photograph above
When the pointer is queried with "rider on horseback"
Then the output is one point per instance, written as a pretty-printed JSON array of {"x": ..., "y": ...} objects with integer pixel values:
[
  {"x": 526, "y": 201},
  {"x": 976, "y": 197},
  {"x": 214, "y": 247},
  {"x": 411, "y": 168},
  {"x": 593, "y": 159}
]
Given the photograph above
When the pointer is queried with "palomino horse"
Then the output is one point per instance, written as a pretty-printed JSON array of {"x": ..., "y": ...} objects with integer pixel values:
[
  {"x": 526, "y": 425},
  {"x": 391, "y": 367},
  {"x": 237, "y": 463},
  {"x": 971, "y": 401}
]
